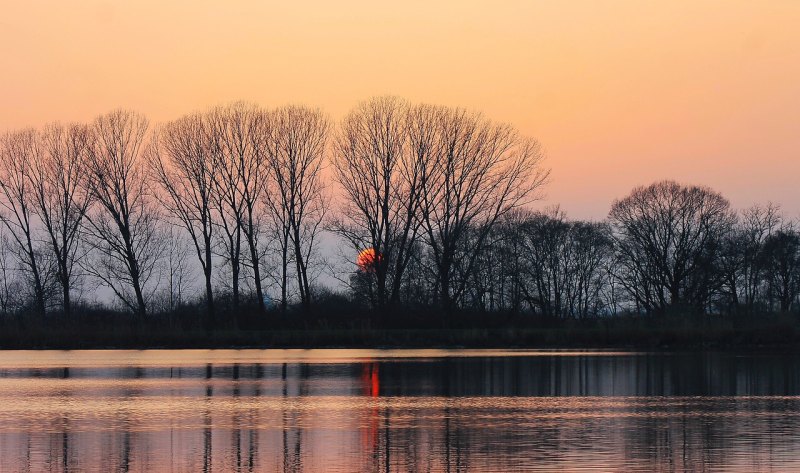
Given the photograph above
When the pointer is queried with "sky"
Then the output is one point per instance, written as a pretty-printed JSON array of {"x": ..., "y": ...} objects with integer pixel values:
[{"x": 620, "y": 93}]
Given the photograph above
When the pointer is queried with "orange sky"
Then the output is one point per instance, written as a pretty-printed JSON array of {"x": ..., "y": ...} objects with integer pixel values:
[{"x": 620, "y": 93}]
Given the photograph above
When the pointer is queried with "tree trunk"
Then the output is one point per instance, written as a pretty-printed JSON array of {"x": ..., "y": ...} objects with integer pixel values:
[
  {"x": 257, "y": 276},
  {"x": 212, "y": 316},
  {"x": 284, "y": 271},
  {"x": 37, "y": 280},
  {"x": 66, "y": 296}
]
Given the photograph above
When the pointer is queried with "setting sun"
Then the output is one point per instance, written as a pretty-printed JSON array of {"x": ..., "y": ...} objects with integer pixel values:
[
  {"x": 367, "y": 260},
  {"x": 363, "y": 236}
]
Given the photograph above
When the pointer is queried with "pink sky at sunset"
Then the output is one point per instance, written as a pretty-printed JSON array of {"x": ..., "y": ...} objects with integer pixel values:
[{"x": 620, "y": 93}]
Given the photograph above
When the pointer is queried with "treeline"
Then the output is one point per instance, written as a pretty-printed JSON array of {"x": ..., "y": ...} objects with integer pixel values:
[
  {"x": 235, "y": 210},
  {"x": 665, "y": 249}
]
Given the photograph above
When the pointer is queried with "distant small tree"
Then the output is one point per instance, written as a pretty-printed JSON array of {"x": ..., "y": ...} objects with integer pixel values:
[
  {"x": 12, "y": 292},
  {"x": 176, "y": 268},
  {"x": 742, "y": 265},
  {"x": 781, "y": 255}
]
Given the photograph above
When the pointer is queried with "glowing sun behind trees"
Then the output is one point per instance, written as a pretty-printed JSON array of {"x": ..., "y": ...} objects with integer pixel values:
[{"x": 367, "y": 259}]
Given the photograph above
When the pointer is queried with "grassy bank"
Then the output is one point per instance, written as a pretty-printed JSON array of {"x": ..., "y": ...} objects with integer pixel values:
[{"x": 510, "y": 332}]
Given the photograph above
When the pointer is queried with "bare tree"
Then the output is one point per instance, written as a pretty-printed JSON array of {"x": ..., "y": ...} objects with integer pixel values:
[
  {"x": 742, "y": 265},
  {"x": 182, "y": 162},
  {"x": 239, "y": 180},
  {"x": 124, "y": 231},
  {"x": 295, "y": 153},
  {"x": 477, "y": 172},
  {"x": 176, "y": 268},
  {"x": 371, "y": 152},
  {"x": 669, "y": 237},
  {"x": 60, "y": 197},
  {"x": 10, "y": 284},
  {"x": 282, "y": 230},
  {"x": 17, "y": 151},
  {"x": 781, "y": 261},
  {"x": 564, "y": 264}
]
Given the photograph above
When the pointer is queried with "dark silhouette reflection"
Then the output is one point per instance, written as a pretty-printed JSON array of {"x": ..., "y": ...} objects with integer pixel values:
[{"x": 637, "y": 412}]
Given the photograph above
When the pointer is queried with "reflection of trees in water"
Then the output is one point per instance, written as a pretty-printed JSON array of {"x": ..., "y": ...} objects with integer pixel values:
[
  {"x": 683, "y": 412},
  {"x": 699, "y": 434},
  {"x": 292, "y": 435},
  {"x": 641, "y": 375}
]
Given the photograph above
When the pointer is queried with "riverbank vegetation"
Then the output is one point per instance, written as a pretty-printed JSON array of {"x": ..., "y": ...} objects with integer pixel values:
[{"x": 403, "y": 224}]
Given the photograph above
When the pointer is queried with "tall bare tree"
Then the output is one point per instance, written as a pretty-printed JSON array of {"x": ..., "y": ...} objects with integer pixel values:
[
  {"x": 237, "y": 131},
  {"x": 17, "y": 151},
  {"x": 60, "y": 197},
  {"x": 371, "y": 154},
  {"x": 477, "y": 172},
  {"x": 295, "y": 153},
  {"x": 182, "y": 161},
  {"x": 124, "y": 230}
]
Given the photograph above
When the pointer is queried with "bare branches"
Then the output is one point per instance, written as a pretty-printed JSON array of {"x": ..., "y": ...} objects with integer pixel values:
[
  {"x": 60, "y": 197},
  {"x": 444, "y": 171},
  {"x": 236, "y": 132},
  {"x": 17, "y": 151},
  {"x": 437, "y": 197},
  {"x": 669, "y": 235},
  {"x": 124, "y": 232},
  {"x": 182, "y": 161},
  {"x": 475, "y": 172},
  {"x": 368, "y": 162},
  {"x": 294, "y": 152}
]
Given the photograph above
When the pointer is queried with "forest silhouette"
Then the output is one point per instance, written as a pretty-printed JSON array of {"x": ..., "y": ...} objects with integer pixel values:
[{"x": 228, "y": 227}]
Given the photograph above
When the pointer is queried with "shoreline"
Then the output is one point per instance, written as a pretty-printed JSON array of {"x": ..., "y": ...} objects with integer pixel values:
[{"x": 633, "y": 338}]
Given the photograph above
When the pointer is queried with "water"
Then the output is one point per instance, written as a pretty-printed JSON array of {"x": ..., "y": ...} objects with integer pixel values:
[{"x": 414, "y": 410}]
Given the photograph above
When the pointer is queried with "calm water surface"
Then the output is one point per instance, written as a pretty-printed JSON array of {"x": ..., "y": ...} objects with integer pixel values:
[{"x": 414, "y": 410}]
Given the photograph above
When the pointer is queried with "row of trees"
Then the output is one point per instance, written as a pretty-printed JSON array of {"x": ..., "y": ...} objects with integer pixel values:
[
  {"x": 664, "y": 248},
  {"x": 424, "y": 186},
  {"x": 121, "y": 205},
  {"x": 438, "y": 196},
  {"x": 118, "y": 205}
]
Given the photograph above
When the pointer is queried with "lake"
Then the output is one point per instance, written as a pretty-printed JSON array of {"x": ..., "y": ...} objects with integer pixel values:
[{"x": 398, "y": 410}]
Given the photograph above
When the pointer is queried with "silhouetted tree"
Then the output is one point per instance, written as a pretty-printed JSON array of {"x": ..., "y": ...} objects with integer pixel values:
[
  {"x": 18, "y": 150},
  {"x": 564, "y": 264},
  {"x": 236, "y": 131},
  {"x": 742, "y": 264},
  {"x": 181, "y": 159},
  {"x": 123, "y": 229},
  {"x": 781, "y": 256},
  {"x": 475, "y": 172},
  {"x": 435, "y": 205},
  {"x": 669, "y": 238},
  {"x": 294, "y": 151},
  {"x": 372, "y": 162},
  {"x": 58, "y": 175}
]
